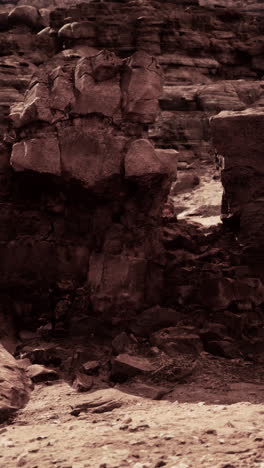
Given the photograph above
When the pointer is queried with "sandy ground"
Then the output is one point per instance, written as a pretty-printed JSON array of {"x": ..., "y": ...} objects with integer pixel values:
[
  {"x": 203, "y": 204},
  {"x": 193, "y": 426}
]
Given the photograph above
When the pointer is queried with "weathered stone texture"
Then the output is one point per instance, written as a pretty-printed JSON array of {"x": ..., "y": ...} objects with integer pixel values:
[
  {"x": 83, "y": 195},
  {"x": 82, "y": 162},
  {"x": 15, "y": 386},
  {"x": 239, "y": 137}
]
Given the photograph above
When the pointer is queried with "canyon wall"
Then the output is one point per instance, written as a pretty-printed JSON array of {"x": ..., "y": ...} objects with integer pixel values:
[
  {"x": 212, "y": 57},
  {"x": 85, "y": 235}
]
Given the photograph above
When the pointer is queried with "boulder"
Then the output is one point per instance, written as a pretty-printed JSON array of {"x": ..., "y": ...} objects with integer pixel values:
[
  {"x": 125, "y": 366},
  {"x": 36, "y": 105},
  {"x": 124, "y": 343},
  {"x": 15, "y": 385},
  {"x": 91, "y": 367},
  {"x": 212, "y": 332},
  {"x": 77, "y": 30},
  {"x": 101, "y": 96},
  {"x": 223, "y": 348},
  {"x": 24, "y": 14},
  {"x": 62, "y": 92},
  {"x": 105, "y": 65},
  {"x": 177, "y": 340},
  {"x": 169, "y": 159},
  {"x": 185, "y": 183},
  {"x": 142, "y": 160},
  {"x": 90, "y": 156},
  {"x": 39, "y": 373},
  {"x": 49, "y": 354},
  {"x": 140, "y": 86},
  {"x": 40, "y": 155},
  {"x": 153, "y": 319},
  {"x": 152, "y": 392},
  {"x": 82, "y": 382}
]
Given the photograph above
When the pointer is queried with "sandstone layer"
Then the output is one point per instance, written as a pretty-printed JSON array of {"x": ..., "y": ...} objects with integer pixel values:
[{"x": 209, "y": 55}]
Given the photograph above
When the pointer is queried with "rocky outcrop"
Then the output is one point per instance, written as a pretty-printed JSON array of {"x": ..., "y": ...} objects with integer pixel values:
[
  {"x": 238, "y": 136},
  {"x": 206, "y": 48},
  {"x": 15, "y": 386},
  {"x": 184, "y": 121},
  {"x": 97, "y": 187},
  {"x": 82, "y": 197}
]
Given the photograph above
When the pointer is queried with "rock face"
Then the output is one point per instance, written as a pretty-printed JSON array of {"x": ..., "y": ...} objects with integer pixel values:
[
  {"x": 211, "y": 53},
  {"x": 253, "y": 6},
  {"x": 238, "y": 136},
  {"x": 98, "y": 186},
  {"x": 81, "y": 184},
  {"x": 74, "y": 103},
  {"x": 39, "y": 373},
  {"x": 15, "y": 386}
]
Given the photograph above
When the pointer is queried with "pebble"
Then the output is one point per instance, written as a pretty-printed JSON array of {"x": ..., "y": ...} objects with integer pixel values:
[
  {"x": 6, "y": 443},
  {"x": 128, "y": 420},
  {"x": 22, "y": 460},
  {"x": 124, "y": 427},
  {"x": 50, "y": 444},
  {"x": 141, "y": 427},
  {"x": 211, "y": 431},
  {"x": 229, "y": 424},
  {"x": 38, "y": 438}
]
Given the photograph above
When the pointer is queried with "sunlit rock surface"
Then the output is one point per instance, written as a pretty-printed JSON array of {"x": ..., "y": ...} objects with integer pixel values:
[{"x": 15, "y": 385}]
